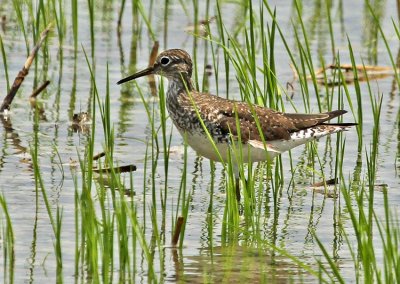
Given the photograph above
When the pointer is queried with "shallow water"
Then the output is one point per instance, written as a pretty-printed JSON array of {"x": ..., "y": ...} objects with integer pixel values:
[{"x": 205, "y": 257}]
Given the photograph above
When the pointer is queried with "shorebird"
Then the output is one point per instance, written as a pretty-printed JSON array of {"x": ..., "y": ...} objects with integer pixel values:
[{"x": 260, "y": 132}]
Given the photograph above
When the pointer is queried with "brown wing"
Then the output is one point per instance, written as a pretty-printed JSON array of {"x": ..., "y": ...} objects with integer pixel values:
[{"x": 274, "y": 125}]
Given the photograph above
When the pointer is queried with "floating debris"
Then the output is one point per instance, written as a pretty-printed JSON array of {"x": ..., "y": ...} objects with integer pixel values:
[
  {"x": 364, "y": 73},
  {"x": 73, "y": 163},
  {"x": 24, "y": 71},
  {"x": 332, "y": 181},
  {"x": 39, "y": 90},
  {"x": 201, "y": 28},
  {"x": 81, "y": 122},
  {"x": 329, "y": 75},
  {"x": 122, "y": 169},
  {"x": 81, "y": 118}
]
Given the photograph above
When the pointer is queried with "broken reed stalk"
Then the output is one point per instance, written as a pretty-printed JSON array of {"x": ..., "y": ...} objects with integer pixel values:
[
  {"x": 154, "y": 53},
  {"x": 98, "y": 156},
  {"x": 332, "y": 181},
  {"x": 151, "y": 79},
  {"x": 177, "y": 232},
  {"x": 39, "y": 90},
  {"x": 24, "y": 71},
  {"x": 122, "y": 169}
]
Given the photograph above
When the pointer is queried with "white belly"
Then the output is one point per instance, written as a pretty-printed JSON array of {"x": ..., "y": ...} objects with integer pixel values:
[{"x": 202, "y": 145}]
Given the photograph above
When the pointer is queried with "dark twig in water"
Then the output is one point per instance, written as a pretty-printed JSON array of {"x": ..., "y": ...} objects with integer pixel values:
[
  {"x": 177, "y": 232},
  {"x": 3, "y": 23},
  {"x": 98, "y": 156},
  {"x": 24, "y": 71},
  {"x": 39, "y": 90},
  {"x": 119, "y": 22},
  {"x": 122, "y": 169},
  {"x": 332, "y": 181}
]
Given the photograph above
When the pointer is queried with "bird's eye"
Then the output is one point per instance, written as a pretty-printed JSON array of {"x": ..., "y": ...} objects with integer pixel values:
[{"x": 164, "y": 61}]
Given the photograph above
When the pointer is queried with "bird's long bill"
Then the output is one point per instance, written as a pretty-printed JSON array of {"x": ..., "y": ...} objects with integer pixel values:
[{"x": 147, "y": 71}]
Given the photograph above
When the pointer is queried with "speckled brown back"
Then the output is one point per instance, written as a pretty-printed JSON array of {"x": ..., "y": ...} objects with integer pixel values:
[{"x": 274, "y": 125}]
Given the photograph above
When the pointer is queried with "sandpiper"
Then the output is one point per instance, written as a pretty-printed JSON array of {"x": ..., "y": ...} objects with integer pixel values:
[{"x": 264, "y": 133}]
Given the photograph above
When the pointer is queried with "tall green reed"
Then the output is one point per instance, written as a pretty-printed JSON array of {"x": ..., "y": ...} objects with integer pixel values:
[
  {"x": 21, "y": 23},
  {"x": 56, "y": 223},
  {"x": 4, "y": 56},
  {"x": 8, "y": 243}
]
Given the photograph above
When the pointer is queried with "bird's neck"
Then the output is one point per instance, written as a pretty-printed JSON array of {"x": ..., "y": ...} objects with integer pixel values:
[
  {"x": 181, "y": 81},
  {"x": 177, "y": 94},
  {"x": 179, "y": 85}
]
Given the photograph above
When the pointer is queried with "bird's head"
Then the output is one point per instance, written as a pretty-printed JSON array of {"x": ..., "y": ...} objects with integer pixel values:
[{"x": 172, "y": 64}]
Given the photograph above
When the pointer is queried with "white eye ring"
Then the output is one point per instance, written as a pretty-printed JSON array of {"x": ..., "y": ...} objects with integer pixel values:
[{"x": 165, "y": 61}]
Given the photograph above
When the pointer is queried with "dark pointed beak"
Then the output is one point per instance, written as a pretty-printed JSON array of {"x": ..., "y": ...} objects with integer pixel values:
[{"x": 145, "y": 72}]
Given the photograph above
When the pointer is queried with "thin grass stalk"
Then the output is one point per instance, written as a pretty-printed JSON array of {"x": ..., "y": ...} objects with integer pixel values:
[
  {"x": 166, "y": 146},
  {"x": 332, "y": 264},
  {"x": 77, "y": 222},
  {"x": 18, "y": 4},
  {"x": 3, "y": 54},
  {"x": 331, "y": 32},
  {"x": 8, "y": 243},
  {"x": 74, "y": 16},
  {"x": 395, "y": 67},
  {"x": 357, "y": 88},
  {"x": 389, "y": 234},
  {"x": 58, "y": 16},
  {"x": 120, "y": 14},
  {"x": 306, "y": 52},
  {"x": 36, "y": 20},
  {"x": 150, "y": 117},
  {"x": 221, "y": 29},
  {"x": 372, "y": 166},
  {"x": 196, "y": 32},
  {"x": 215, "y": 63},
  {"x": 90, "y": 228},
  {"x": 139, "y": 6},
  {"x": 210, "y": 223},
  {"x": 272, "y": 81},
  {"x": 55, "y": 223},
  {"x": 158, "y": 240},
  {"x": 141, "y": 238},
  {"x": 91, "y": 22},
  {"x": 251, "y": 50},
  {"x": 108, "y": 219}
]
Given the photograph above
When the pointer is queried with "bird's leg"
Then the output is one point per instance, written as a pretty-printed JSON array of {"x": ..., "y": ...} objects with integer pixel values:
[
  {"x": 237, "y": 181},
  {"x": 238, "y": 189}
]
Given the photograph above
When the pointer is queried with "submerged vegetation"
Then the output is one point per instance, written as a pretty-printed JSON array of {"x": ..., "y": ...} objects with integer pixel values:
[{"x": 72, "y": 206}]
